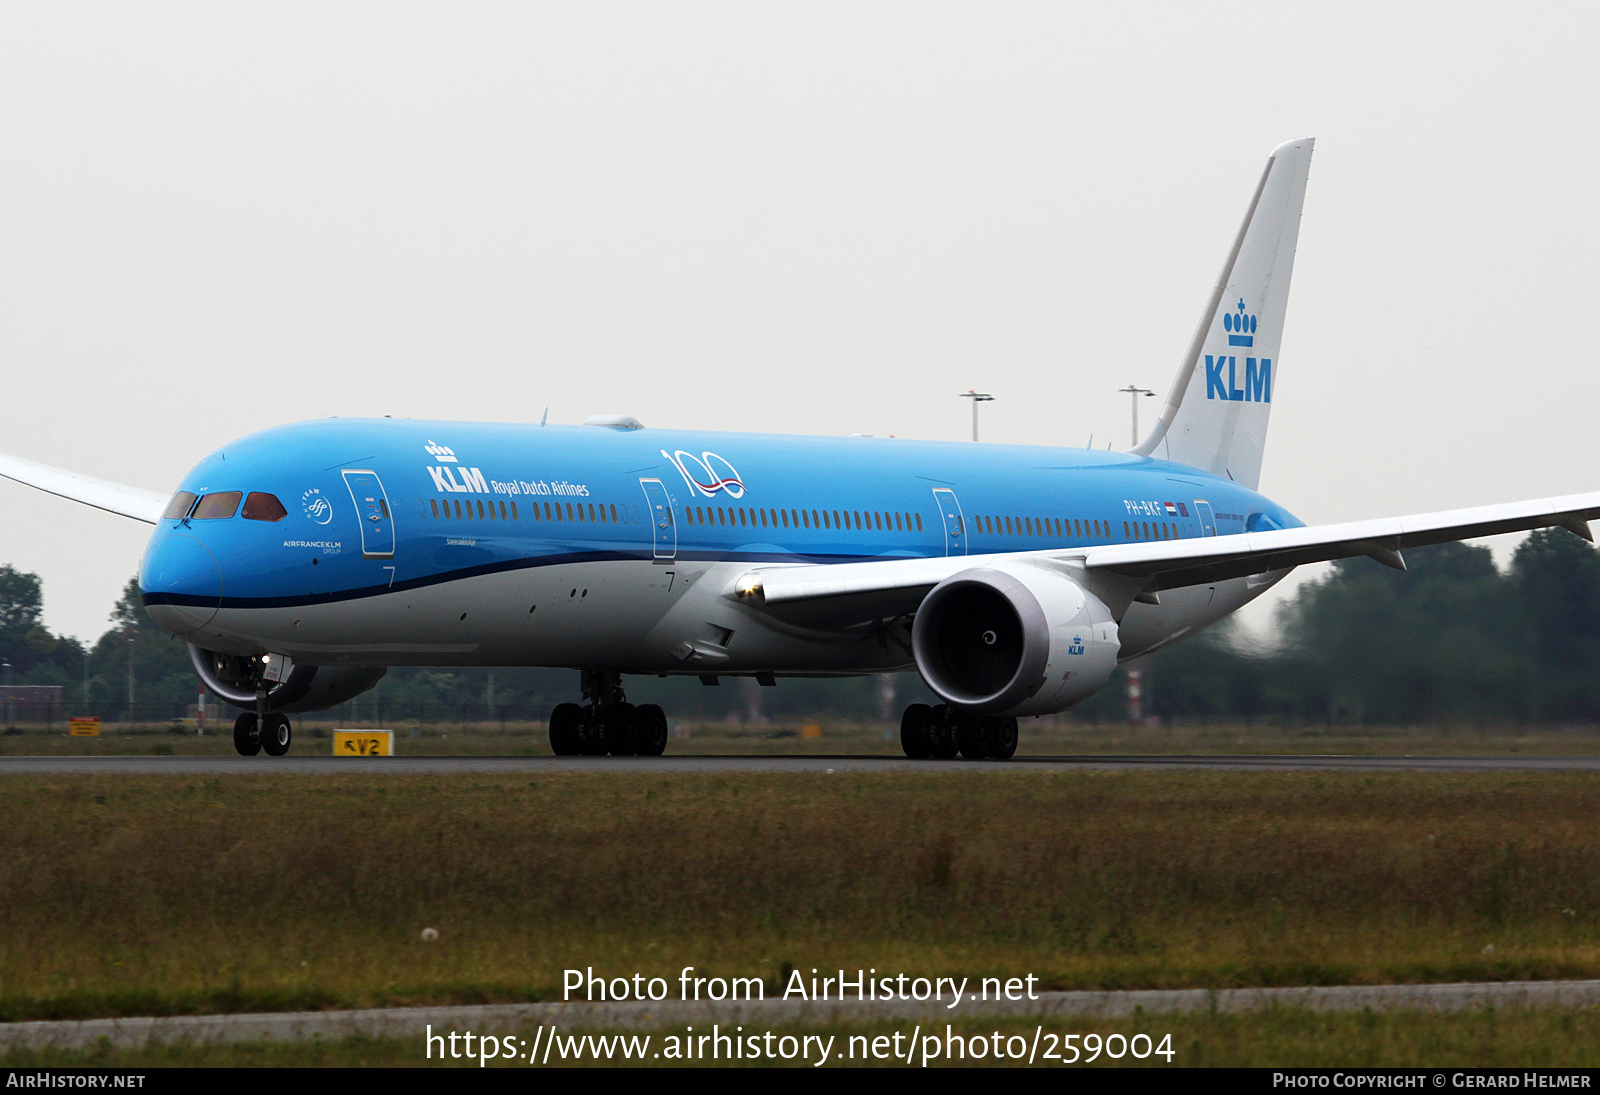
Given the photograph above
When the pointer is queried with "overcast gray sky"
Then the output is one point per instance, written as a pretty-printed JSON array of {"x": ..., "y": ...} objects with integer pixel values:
[{"x": 799, "y": 218}]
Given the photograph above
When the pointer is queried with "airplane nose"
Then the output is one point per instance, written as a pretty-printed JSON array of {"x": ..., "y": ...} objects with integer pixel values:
[{"x": 181, "y": 583}]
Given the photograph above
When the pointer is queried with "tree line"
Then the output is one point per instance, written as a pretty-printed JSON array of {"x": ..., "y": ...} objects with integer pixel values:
[{"x": 1453, "y": 638}]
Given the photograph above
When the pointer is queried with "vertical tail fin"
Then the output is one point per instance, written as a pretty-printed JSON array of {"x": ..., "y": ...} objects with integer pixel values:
[{"x": 1216, "y": 414}]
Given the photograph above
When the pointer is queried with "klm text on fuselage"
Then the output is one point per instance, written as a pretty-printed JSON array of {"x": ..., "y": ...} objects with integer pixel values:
[{"x": 1257, "y": 379}]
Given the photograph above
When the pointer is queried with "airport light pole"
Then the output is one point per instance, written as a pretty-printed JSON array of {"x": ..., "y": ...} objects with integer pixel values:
[
  {"x": 976, "y": 397},
  {"x": 1135, "y": 392},
  {"x": 11, "y": 716}
]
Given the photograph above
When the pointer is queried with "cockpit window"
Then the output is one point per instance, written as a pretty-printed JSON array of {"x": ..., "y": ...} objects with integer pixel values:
[
  {"x": 217, "y": 507},
  {"x": 263, "y": 507},
  {"x": 179, "y": 507}
]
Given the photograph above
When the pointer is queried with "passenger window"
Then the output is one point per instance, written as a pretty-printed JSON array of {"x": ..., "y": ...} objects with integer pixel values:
[
  {"x": 919, "y": 522},
  {"x": 218, "y": 507},
  {"x": 263, "y": 507},
  {"x": 613, "y": 515},
  {"x": 785, "y": 515},
  {"x": 763, "y": 517},
  {"x": 434, "y": 503},
  {"x": 835, "y": 519},
  {"x": 805, "y": 518},
  {"x": 179, "y": 507},
  {"x": 514, "y": 516},
  {"x": 383, "y": 504}
]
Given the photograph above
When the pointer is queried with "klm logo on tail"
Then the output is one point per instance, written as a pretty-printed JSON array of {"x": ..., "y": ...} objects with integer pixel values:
[{"x": 1241, "y": 329}]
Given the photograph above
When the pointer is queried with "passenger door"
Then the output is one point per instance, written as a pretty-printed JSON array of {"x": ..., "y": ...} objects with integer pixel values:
[
  {"x": 659, "y": 509},
  {"x": 372, "y": 506},
  {"x": 1208, "y": 520},
  {"x": 955, "y": 527}
]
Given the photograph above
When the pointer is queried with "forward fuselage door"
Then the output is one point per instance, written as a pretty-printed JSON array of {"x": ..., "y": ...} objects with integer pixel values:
[
  {"x": 1208, "y": 520},
  {"x": 955, "y": 528},
  {"x": 659, "y": 509},
  {"x": 372, "y": 504}
]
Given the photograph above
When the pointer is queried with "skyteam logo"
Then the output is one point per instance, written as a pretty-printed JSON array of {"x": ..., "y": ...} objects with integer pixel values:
[
  {"x": 710, "y": 474},
  {"x": 440, "y": 452},
  {"x": 1240, "y": 326},
  {"x": 317, "y": 506}
]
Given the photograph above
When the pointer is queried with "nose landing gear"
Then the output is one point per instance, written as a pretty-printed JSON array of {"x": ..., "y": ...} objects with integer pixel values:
[
  {"x": 607, "y": 722},
  {"x": 942, "y": 731}
]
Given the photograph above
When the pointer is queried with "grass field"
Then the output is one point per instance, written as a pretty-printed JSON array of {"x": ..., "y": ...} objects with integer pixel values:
[
  {"x": 128, "y": 895},
  {"x": 851, "y": 737}
]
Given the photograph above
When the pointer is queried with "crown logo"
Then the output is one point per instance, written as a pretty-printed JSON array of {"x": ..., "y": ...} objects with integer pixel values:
[
  {"x": 1241, "y": 327},
  {"x": 440, "y": 453}
]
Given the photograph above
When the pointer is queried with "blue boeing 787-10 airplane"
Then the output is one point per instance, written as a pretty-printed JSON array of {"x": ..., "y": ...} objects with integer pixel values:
[{"x": 299, "y": 563}]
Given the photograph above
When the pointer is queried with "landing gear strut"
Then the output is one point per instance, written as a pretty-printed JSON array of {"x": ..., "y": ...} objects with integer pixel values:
[
  {"x": 942, "y": 731},
  {"x": 606, "y": 722}
]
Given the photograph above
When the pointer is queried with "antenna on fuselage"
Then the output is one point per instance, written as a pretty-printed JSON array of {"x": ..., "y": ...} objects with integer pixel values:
[{"x": 544, "y": 417}]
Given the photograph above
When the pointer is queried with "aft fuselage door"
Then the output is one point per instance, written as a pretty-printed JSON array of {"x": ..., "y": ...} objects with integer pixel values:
[
  {"x": 372, "y": 505},
  {"x": 955, "y": 527},
  {"x": 1208, "y": 520},
  {"x": 659, "y": 508}
]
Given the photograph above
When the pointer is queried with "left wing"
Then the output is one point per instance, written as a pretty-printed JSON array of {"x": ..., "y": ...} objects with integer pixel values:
[
  {"x": 847, "y": 593},
  {"x": 141, "y": 505}
]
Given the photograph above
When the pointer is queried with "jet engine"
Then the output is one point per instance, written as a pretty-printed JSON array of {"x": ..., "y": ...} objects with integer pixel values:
[
  {"x": 236, "y": 677},
  {"x": 1013, "y": 639}
]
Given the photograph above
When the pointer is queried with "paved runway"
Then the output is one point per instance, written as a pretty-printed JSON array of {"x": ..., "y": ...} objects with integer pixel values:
[
  {"x": 225, "y": 765},
  {"x": 500, "y": 1019}
]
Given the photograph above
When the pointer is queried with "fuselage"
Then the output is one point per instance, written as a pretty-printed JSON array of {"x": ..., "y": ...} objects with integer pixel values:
[{"x": 392, "y": 542}]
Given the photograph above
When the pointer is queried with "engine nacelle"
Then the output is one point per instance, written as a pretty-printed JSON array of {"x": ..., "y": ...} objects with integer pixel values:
[
  {"x": 1013, "y": 639},
  {"x": 235, "y": 678}
]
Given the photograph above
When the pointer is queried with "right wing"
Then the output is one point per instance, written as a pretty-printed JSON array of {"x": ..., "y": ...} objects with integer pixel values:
[
  {"x": 849, "y": 594},
  {"x": 141, "y": 505}
]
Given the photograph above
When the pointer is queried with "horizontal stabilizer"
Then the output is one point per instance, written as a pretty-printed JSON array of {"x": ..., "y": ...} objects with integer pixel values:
[{"x": 141, "y": 505}]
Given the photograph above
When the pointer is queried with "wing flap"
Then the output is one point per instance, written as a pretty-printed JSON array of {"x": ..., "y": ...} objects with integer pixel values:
[{"x": 141, "y": 505}]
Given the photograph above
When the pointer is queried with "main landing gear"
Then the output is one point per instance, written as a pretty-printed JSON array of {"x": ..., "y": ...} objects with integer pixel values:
[
  {"x": 943, "y": 731},
  {"x": 606, "y": 722},
  {"x": 252, "y": 734}
]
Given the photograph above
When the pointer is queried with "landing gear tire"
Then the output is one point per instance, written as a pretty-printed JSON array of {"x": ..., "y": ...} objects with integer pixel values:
[
  {"x": 566, "y": 730},
  {"x": 621, "y": 730},
  {"x": 276, "y": 735},
  {"x": 246, "y": 736},
  {"x": 942, "y": 732},
  {"x": 650, "y": 729},
  {"x": 972, "y": 735},
  {"x": 593, "y": 737},
  {"x": 1002, "y": 738},
  {"x": 916, "y": 731}
]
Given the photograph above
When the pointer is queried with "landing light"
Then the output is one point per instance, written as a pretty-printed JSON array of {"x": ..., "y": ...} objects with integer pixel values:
[{"x": 748, "y": 587}]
